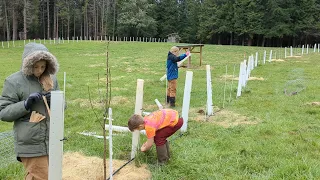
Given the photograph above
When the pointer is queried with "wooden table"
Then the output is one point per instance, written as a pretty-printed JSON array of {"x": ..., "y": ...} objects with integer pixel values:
[{"x": 191, "y": 47}]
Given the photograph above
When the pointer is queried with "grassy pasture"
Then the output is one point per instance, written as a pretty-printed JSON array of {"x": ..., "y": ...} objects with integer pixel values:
[{"x": 264, "y": 134}]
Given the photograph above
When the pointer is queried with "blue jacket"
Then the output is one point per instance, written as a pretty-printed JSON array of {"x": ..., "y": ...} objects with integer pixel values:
[{"x": 172, "y": 66}]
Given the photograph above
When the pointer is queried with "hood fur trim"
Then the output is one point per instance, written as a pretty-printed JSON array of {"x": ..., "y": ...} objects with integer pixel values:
[{"x": 28, "y": 62}]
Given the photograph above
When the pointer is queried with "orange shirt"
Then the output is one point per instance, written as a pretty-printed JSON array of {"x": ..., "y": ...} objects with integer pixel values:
[{"x": 160, "y": 119}]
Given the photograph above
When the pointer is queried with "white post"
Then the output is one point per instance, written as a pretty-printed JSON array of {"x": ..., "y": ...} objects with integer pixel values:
[
  {"x": 270, "y": 56},
  {"x": 186, "y": 100},
  {"x": 315, "y": 47},
  {"x": 240, "y": 81},
  {"x": 56, "y": 135},
  {"x": 138, "y": 110},
  {"x": 285, "y": 52},
  {"x": 256, "y": 60},
  {"x": 302, "y": 50},
  {"x": 110, "y": 143},
  {"x": 307, "y": 48},
  {"x": 244, "y": 74},
  {"x": 158, "y": 104},
  {"x": 209, "y": 92},
  {"x": 291, "y": 54}
]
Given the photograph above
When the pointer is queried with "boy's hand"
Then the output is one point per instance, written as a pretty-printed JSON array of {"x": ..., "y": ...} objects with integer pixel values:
[
  {"x": 187, "y": 53},
  {"x": 143, "y": 148}
]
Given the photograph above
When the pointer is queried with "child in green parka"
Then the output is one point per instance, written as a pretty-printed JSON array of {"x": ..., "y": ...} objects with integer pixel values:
[{"x": 22, "y": 94}]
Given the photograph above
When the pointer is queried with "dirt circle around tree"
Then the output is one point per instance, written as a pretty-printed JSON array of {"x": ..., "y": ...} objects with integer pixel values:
[{"x": 77, "y": 166}]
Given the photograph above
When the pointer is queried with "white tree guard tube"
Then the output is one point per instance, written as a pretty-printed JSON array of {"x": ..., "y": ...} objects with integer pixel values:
[
  {"x": 256, "y": 60},
  {"x": 56, "y": 135},
  {"x": 302, "y": 50},
  {"x": 122, "y": 129},
  {"x": 315, "y": 47},
  {"x": 270, "y": 56},
  {"x": 110, "y": 144},
  {"x": 291, "y": 54},
  {"x": 209, "y": 92},
  {"x": 158, "y": 104},
  {"x": 241, "y": 77},
  {"x": 285, "y": 52},
  {"x": 264, "y": 56},
  {"x": 138, "y": 110},
  {"x": 307, "y": 48},
  {"x": 179, "y": 64},
  {"x": 186, "y": 100}
]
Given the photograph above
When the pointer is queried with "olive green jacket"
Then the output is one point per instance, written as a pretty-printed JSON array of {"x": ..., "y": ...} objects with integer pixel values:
[{"x": 31, "y": 139}]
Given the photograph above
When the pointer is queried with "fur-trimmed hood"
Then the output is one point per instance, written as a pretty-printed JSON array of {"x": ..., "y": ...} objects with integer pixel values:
[{"x": 34, "y": 52}]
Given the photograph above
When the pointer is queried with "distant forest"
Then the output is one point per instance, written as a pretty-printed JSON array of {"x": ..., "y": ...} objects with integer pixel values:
[{"x": 226, "y": 22}]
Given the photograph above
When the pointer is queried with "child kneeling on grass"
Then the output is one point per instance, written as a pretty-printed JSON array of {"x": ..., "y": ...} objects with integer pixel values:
[{"x": 159, "y": 125}]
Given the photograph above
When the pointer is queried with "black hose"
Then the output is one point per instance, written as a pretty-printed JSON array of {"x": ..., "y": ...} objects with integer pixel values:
[{"x": 121, "y": 167}]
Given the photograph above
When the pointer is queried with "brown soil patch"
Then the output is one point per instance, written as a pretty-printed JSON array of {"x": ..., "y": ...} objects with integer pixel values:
[
  {"x": 277, "y": 60},
  {"x": 294, "y": 56},
  {"x": 97, "y": 65},
  {"x": 119, "y": 100},
  {"x": 229, "y": 77},
  {"x": 79, "y": 167},
  {"x": 97, "y": 103},
  {"x": 314, "y": 103},
  {"x": 222, "y": 118}
]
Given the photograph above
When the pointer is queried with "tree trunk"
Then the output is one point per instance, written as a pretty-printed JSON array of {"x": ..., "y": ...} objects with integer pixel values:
[
  {"x": 102, "y": 18},
  {"x": 293, "y": 41},
  {"x": 14, "y": 25},
  {"x": 250, "y": 40},
  {"x": 25, "y": 20},
  {"x": 219, "y": 39},
  {"x": 57, "y": 28},
  {"x": 54, "y": 21},
  {"x": 68, "y": 28},
  {"x": 95, "y": 19},
  {"x": 48, "y": 20},
  {"x": 243, "y": 37},
  {"x": 263, "y": 41},
  {"x": 7, "y": 21},
  {"x": 74, "y": 27},
  {"x": 107, "y": 15},
  {"x": 114, "y": 16},
  {"x": 231, "y": 38},
  {"x": 43, "y": 23}
]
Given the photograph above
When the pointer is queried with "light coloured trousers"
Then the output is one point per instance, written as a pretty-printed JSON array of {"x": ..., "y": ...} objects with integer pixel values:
[
  {"x": 36, "y": 167},
  {"x": 172, "y": 88}
]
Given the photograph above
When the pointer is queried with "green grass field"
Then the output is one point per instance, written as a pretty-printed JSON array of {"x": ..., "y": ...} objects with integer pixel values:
[{"x": 264, "y": 134}]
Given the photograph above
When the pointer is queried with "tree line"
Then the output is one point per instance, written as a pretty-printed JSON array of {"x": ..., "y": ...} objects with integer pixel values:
[{"x": 232, "y": 22}]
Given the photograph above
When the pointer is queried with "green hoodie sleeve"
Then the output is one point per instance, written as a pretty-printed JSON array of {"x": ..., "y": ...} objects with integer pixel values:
[{"x": 11, "y": 107}]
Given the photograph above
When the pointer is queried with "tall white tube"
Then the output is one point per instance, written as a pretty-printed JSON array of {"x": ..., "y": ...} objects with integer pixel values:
[
  {"x": 209, "y": 92},
  {"x": 56, "y": 135},
  {"x": 110, "y": 144},
  {"x": 138, "y": 110},
  {"x": 186, "y": 100}
]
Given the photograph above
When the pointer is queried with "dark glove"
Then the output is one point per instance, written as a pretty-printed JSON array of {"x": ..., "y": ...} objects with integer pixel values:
[{"x": 32, "y": 99}]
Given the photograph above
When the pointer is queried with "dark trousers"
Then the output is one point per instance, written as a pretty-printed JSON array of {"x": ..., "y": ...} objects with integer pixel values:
[{"x": 162, "y": 134}]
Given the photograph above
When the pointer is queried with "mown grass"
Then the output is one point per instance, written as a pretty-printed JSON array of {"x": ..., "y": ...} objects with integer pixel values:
[{"x": 282, "y": 144}]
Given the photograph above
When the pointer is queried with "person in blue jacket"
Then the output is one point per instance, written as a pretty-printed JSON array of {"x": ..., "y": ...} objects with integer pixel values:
[{"x": 172, "y": 73}]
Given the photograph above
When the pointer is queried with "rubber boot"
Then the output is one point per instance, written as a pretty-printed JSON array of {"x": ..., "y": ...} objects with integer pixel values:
[
  {"x": 168, "y": 100},
  {"x": 168, "y": 149},
  {"x": 162, "y": 154},
  {"x": 172, "y": 101}
]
